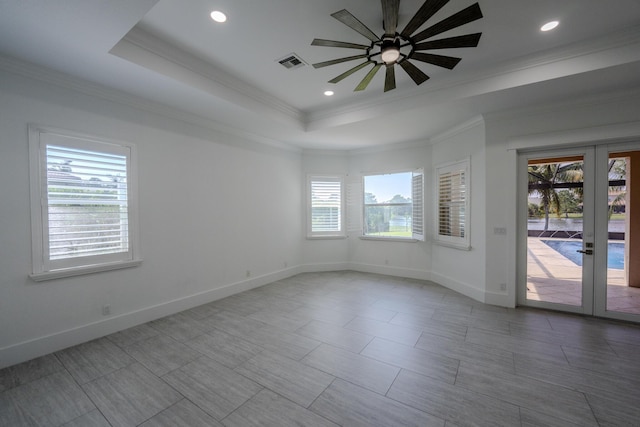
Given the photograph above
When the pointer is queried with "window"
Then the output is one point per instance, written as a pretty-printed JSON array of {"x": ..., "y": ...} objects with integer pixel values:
[
  {"x": 326, "y": 206},
  {"x": 393, "y": 205},
  {"x": 452, "y": 184},
  {"x": 83, "y": 210}
]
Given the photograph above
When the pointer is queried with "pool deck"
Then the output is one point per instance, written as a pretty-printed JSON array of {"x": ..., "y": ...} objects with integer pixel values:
[{"x": 553, "y": 278}]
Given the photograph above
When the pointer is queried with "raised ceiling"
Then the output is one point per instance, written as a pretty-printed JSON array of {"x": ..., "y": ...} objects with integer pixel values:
[{"x": 171, "y": 54}]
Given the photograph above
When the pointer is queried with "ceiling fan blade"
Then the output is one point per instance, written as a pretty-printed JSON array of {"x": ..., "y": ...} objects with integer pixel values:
[
  {"x": 352, "y": 22},
  {"x": 426, "y": 11},
  {"x": 333, "y": 43},
  {"x": 367, "y": 79},
  {"x": 441, "y": 61},
  {"x": 469, "y": 40},
  {"x": 465, "y": 16},
  {"x": 390, "y": 10},
  {"x": 414, "y": 72},
  {"x": 348, "y": 73},
  {"x": 390, "y": 78},
  {"x": 338, "y": 61}
]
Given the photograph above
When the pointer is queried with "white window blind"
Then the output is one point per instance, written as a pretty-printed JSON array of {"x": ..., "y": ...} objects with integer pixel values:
[
  {"x": 326, "y": 211},
  {"x": 453, "y": 203},
  {"x": 87, "y": 204},
  {"x": 83, "y": 204},
  {"x": 417, "y": 194}
]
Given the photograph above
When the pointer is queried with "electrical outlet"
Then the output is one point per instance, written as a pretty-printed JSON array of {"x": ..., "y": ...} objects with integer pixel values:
[
  {"x": 248, "y": 273},
  {"x": 286, "y": 264},
  {"x": 503, "y": 286},
  {"x": 500, "y": 231},
  {"x": 106, "y": 310}
]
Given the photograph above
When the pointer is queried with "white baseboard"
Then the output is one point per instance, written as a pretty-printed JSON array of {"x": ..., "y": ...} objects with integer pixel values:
[
  {"x": 499, "y": 299},
  {"x": 388, "y": 270},
  {"x": 40, "y": 346},
  {"x": 460, "y": 287}
]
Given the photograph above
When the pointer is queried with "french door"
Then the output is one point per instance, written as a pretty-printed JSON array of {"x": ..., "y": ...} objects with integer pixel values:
[{"x": 579, "y": 235}]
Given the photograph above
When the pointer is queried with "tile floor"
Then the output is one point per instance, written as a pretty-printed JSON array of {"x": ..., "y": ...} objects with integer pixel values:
[{"x": 340, "y": 348}]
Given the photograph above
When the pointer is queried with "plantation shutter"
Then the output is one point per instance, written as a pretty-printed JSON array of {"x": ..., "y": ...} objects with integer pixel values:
[
  {"x": 86, "y": 206},
  {"x": 326, "y": 205},
  {"x": 417, "y": 196},
  {"x": 452, "y": 186}
]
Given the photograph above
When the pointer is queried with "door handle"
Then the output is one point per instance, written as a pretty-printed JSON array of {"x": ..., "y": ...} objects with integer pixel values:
[{"x": 586, "y": 252}]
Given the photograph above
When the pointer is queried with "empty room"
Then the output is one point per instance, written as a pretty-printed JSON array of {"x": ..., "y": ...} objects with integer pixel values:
[{"x": 319, "y": 213}]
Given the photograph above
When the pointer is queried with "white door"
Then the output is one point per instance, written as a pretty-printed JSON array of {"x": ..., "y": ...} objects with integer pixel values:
[{"x": 579, "y": 245}]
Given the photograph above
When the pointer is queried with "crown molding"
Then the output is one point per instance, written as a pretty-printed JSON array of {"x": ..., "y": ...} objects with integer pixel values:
[
  {"x": 49, "y": 76},
  {"x": 145, "y": 49},
  {"x": 462, "y": 127},
  {"x": 614, "y": 49}
]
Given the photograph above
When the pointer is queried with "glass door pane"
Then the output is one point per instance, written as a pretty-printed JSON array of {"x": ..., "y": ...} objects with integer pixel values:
[
  {"x": 555, "y": 229},
  {"x": 623, "y": 238}
]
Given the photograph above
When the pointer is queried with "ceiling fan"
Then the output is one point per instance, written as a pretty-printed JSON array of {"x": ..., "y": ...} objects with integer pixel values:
[{"x": 400, "y": 48}]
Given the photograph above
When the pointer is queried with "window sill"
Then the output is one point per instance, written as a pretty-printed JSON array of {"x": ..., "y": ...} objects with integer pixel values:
[
  {"x": 78, "y": 271},
  {"x": 391, "y": 239},
  {"x": 327, "y": 237}
]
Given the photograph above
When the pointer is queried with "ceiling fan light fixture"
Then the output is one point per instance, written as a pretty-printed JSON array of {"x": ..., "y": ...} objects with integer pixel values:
[
  {"x": 218, "y": 16},
  {"x": 390, "y": 51},
  {"x": 549, "y": 26}
]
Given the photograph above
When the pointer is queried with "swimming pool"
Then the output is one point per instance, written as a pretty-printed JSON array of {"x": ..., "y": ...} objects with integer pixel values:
[{"x": 568, "y": 248}]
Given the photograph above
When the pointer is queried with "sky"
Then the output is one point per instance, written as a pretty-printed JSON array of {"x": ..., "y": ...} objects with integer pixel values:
[{"x": 386, "y": 186}]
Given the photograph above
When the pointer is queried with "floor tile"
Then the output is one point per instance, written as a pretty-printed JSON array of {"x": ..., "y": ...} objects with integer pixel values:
[
  {"x": 49, "y": 401},
  {"x": 94, "y": 359},
  {"x": 335, "y": 335},
  {"x": 532, "y": 418},
  {"x": 454, "y": 404},
  {"x": 212, "y": 386},
  {"x": 161, "y": 354},
  {"x": 16, "y": 375},
  {"x": 224, "y": 348},
  {"x": 130, "y": 395},
  {"x": 282, "y": 342},
  {"x": 400, "y": 334},
  {"x": 297, "y": 382},
  {"x": 493, "y": 356},
  {"x": 559, "y": 402},
  {"x": 180, "y": 327},
  {"x": 268, "y": 409},
  {"x": 429, "y": 364},
  {"x": 131, "y": 335},
  {"x": 183, "y": 413},
  {"x": 202, "y": 311},
  {"x": 349, "y": 405},
  {"x": 360, "y": 370},
  {"x": 279, "y": 319},
  {"x": 323, "y": 314},
  {"x": 90, "y": 419},
  {"x": 231, "y": 323},
  {"x": 614, "y": 410}
]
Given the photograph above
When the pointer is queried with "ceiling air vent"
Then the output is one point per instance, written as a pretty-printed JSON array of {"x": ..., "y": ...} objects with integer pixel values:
[{"x": 291, "y": 61}]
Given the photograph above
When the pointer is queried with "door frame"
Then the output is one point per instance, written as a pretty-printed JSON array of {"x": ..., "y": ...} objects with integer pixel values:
[{"x": 588, "y": 279}]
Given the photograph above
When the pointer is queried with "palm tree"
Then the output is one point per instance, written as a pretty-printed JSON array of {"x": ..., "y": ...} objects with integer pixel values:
[{"x": 544, "y": 178}]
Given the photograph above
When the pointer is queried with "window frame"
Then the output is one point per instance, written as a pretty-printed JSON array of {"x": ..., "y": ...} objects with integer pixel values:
[
  {"x": 330, "y": 234},
  {"x": 43, "y": 266},
  {"x": 458, "y": 242},
  {"x": 417, "y": 209}
]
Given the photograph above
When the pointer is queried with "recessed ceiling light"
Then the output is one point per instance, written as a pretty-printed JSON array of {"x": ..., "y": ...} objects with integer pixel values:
[
  {"x": 328, "y": 93},
  {"x": 549, "y": 26},
  {"x": 218, "y": 16}
]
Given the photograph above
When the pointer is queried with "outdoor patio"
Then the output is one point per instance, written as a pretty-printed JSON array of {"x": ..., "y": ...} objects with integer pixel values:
[{"x": 552, "y": 277}]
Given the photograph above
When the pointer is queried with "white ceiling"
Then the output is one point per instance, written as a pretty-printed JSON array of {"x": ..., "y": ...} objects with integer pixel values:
[{"x": 169, "y": 52}]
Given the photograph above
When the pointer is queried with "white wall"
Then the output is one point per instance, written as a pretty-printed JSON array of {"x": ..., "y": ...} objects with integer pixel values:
[
  {"x": 212, "y": 207},
  {"x": 587, "y": 121},
  {"x": 464, "y": 270},
  {"x": 392, "y": 257}
]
